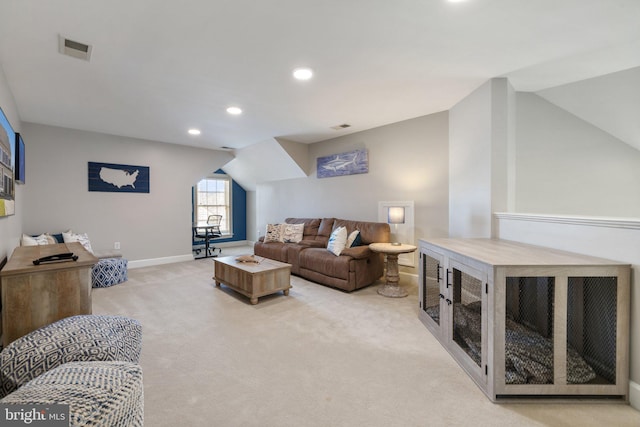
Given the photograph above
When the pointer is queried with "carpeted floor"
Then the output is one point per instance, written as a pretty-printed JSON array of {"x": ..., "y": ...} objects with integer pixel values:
[{"x": 318, "y": 357}]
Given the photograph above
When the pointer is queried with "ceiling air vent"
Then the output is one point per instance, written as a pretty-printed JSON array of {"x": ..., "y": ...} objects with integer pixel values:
[
  {"x": 74, "y": 48},
  {"x": 340, "y": 127}
]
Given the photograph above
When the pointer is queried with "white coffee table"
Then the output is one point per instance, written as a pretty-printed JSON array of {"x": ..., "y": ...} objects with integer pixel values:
[{"x": 391, "y": 288}]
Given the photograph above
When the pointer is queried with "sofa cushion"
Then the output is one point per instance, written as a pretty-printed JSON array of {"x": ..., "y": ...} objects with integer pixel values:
[
  {"x": 325, "y": 229},
  {"x": 337, "y": 241},
  {"x": 324, "y": 262},
  {"x": 272, "y": 250},
  {"x": 370, "y": 232},
  {"x": 311, "y": 226}
]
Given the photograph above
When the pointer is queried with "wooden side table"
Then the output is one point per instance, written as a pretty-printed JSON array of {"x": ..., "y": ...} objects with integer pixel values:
[{"x": 391, "y": 288}]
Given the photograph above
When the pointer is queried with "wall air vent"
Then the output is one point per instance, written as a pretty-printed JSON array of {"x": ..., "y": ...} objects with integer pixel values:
[
  {"x": 73, "y": 48},
  {"x": 340, "y": 127}
]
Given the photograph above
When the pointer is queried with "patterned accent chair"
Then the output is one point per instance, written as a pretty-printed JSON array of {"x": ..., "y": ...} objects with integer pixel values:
[
  {"x": 73, "y": 339},
  {"x": 98, "y": 393}
]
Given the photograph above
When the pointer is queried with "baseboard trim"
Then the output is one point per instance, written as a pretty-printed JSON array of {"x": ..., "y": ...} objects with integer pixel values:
[
  {"x": 159, "y": 261},
  {"x": 178, "y": 258},
  {"x": 634, "y": 395}
]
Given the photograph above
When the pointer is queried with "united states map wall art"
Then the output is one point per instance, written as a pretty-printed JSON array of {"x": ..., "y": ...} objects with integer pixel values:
[{"x": 118, "y": 178}]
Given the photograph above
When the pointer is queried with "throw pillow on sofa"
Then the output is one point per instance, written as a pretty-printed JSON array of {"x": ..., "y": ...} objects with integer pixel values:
[
  {"x": 292, "y": 233},
  {"x": 337, "y": 241},
  {"x": 274, "y": 233},
  {"x": 354, "y": 239},
  {"x": 70, "y": 237}
]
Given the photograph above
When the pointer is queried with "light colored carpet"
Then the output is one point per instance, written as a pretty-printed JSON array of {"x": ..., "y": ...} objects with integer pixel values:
[{"x": 318, "y": 357}]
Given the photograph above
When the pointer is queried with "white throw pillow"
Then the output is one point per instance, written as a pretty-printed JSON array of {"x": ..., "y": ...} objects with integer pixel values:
[
  {"x": 43, "y": 239},
  {"x": 337, "y": 241},
  {"x": 274, "y": 233},
  {"x": 292, "y": 233},
  {"x": 70, "y": 237}
]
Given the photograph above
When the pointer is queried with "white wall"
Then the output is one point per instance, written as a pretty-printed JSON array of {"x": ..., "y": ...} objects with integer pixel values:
[
  {"x": 407, "y": 161},
  {"x": 155, "y": 226},
  {"x": 568, "y": 171},
  {"x": 480, "y": 143},
  {"x": 10, "y": 226},
  {"x": 568, "y": 166}
]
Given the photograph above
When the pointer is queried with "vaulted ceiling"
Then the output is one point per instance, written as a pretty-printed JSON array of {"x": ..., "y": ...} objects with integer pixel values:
[{"x": 160, "y": 68}]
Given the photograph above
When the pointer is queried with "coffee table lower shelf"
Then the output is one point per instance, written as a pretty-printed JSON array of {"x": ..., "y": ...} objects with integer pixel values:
[{"x": 252, "y": 280}]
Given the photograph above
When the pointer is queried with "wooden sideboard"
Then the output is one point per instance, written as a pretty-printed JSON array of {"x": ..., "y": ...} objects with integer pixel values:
[{"x": 37, "y": 295}]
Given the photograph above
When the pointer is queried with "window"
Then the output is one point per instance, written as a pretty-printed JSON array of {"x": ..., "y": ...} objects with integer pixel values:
[{"x": 213, "y": 197}]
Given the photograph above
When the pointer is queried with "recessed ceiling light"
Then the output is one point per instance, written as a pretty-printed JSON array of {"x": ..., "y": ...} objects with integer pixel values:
[
  {"x": 234, "y": 110},
  {"x": 194, "y": 131},
  {"x": 302, "y": 73}
]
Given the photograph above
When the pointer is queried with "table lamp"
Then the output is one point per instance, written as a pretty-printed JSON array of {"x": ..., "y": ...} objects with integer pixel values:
[{"x": 396, "y": 216}]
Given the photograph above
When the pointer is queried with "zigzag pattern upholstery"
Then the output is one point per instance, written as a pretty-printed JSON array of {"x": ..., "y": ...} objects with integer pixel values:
[
  {"x": 108, "y": 272},
  {"x": 98, "y": 393},
  {"x": 77, "y": 338}
]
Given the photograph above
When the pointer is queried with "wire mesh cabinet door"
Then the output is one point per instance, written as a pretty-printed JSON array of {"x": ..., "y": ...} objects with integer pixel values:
[
  {"x": 565, "y": 332},
  {"x": 432, "y": 289},
  {"x": 466, "y": 302}
]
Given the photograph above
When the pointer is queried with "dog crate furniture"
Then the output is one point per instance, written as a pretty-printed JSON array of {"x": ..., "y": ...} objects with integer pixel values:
[{"x": 527, "y": 321}]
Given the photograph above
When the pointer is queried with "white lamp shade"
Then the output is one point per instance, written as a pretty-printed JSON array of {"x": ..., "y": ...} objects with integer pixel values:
[{"x": 396, "y": 215}]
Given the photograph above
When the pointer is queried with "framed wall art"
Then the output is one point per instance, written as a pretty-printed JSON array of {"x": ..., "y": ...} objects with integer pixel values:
[
  {"x": 7, "y": 161},
  {"x": 352, "y": 162},
  {"x": 111, "y": 177}
]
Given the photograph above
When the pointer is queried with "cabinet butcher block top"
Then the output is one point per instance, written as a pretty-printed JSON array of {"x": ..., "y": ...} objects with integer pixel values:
[
  {"x": 509, "y": 253},
  {"x": 21, "y": 260}
]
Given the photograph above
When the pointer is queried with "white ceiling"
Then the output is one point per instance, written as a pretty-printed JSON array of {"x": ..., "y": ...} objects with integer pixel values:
[{"x": 159, "y": 68}]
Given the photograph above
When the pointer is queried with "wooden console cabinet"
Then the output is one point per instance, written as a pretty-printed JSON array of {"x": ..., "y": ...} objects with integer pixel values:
[
  {"x": 526, "y": 321},
  {"x": 37, "y": 295}
]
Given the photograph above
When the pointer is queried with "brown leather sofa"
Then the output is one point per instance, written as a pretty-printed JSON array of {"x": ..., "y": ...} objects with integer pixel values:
[{"x": 353, "y": 269}]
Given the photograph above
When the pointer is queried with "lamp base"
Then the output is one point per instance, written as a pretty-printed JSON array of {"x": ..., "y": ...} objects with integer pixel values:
[{"x": 396, "y": 244}]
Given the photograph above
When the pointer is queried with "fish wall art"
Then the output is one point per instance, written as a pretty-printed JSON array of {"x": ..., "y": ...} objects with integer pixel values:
[{"x": 350, "y": 163}]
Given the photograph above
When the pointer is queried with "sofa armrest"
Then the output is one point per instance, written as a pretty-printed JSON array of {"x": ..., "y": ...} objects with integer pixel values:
[{"x": 357, "y": 252}]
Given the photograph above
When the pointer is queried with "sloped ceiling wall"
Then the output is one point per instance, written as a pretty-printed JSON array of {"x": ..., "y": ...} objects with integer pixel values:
[
  {"x": 610, "y": 102},
  {"x": 270, "y": 160}
]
